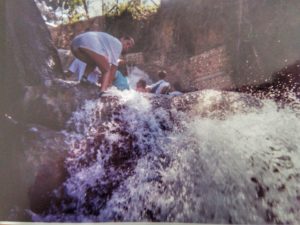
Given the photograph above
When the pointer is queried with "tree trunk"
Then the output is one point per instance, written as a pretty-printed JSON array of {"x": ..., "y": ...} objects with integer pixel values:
[{"x": 86, "y": 9}]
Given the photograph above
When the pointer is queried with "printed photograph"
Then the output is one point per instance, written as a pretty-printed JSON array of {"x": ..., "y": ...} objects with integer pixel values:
[{"x": 169, "y": 111}]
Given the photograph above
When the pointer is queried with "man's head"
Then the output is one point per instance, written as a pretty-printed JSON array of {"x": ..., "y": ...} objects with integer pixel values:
[
  {"x": 162, "y": 74},
  {"x": 127, "y": 43}
]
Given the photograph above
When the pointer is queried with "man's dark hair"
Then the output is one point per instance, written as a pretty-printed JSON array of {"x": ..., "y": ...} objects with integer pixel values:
[
  {"x": 127, "y": 37},
  {"x": 162, "y": 74}
]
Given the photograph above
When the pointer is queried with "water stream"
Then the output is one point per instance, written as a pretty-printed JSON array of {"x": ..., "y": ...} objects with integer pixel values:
[{"x": 238, "y": 163}]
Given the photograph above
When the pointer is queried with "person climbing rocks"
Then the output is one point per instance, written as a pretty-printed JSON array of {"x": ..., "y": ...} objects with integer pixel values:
[{"x": 102, "y": 50}]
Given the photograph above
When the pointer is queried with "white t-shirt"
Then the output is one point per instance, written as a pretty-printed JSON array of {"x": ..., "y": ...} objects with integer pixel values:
[{"x": 101, "y": 43}]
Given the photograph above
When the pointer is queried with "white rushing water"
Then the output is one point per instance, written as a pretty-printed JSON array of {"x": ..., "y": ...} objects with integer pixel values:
[
  {"x": 242, "y": 167},
  {"x": 213, "y": 166}
]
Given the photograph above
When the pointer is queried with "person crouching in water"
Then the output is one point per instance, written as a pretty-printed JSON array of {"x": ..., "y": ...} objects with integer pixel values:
[{"x": 102, "y": 50}]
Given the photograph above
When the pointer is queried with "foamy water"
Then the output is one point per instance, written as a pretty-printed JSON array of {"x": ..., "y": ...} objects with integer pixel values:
[
  {"x": 214, "y": 164},
  {"x": 238, "y": 164}
]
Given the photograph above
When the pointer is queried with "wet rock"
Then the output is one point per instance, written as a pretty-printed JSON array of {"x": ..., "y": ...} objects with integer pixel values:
[
  {"x": 214, "y": 104},
  {"x": 53, "y": 106},
  {"x": 119, "y": 157},
  {"x": 45, "y": 153},
  {"x": 66, "y": 58},
  {"x": 30, "y": 58},
  {"x": 49, "y": 177}
]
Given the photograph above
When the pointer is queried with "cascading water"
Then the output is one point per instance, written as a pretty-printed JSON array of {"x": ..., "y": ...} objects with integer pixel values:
[
  {"x": 225, "y": 158},
  {"x": 243, "y": 169}
]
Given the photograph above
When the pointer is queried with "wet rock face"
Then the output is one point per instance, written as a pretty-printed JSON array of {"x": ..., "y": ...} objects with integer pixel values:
[
  {"x": 54, "y": 161},
  {"x": 215, "y": 106},
  {"x": 53, "y": 106},
  {"x": 30, "y": 56},
  {"x": 45, "y": 153},
  {"x": 30, "y": 89},
  {"x": 49, "y": 177},
  {"x": 113, "y": 151},
  {"x": 284, "y": 87}
]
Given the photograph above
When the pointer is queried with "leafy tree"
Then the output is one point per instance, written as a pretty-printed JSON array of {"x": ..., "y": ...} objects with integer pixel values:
[
  {"x": 75, "y": 9},
  {"x": 133, "y": 7}
]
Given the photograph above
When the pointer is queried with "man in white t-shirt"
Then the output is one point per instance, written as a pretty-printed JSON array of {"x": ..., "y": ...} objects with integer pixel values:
[{"x": 102, "y": 50}]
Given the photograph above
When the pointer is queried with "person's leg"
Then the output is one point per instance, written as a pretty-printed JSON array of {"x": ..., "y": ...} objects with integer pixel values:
[
  {"x": 92, "y": 58},
  {"x": 88, "y": 69},
  {"x": 101, "y": 62},
  {"x": 82, "y": 55}
]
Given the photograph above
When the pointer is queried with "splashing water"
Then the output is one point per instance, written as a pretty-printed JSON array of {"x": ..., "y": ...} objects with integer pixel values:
[
  {"x": 237, "y": 162},
  {"x": 135, "y": 74}
]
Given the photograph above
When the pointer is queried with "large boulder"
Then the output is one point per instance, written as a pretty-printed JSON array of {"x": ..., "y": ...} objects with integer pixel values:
[
  {"x": 45, "y": 151},
  {"x": 30, "y": 92},
  {"x": 53, "y": 106}
]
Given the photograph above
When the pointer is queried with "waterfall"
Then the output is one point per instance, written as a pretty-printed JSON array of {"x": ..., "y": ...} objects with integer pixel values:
[{"x": 206, "y": 157}]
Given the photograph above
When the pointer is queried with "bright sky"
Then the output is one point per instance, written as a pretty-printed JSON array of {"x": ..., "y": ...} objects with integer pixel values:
[
  {"x": 95, "y": 8},
  {"x": 96, "y": 5}
]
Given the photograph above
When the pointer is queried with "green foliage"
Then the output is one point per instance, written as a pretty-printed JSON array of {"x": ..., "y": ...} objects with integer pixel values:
[
  {"x": 75, "y": 9},
  {"x": 73, "y": 12},
  {"x": 67, "y": 5},
  {"x": 136, "y": 11}
]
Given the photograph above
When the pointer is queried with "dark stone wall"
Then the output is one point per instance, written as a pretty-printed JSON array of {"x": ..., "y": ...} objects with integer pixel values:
[{"x": 261, "y": 37}]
